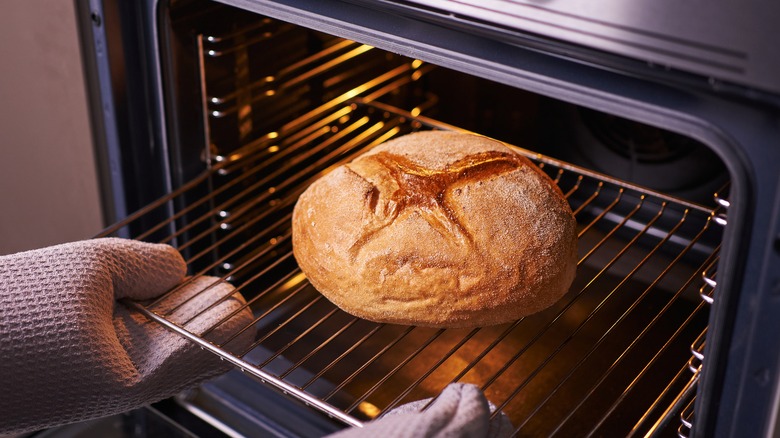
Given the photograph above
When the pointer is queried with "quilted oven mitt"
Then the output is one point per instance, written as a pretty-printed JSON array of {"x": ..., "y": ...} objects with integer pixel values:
[
  {"x": 460, "y": 411},
  {"x": 69, "y": 351}
]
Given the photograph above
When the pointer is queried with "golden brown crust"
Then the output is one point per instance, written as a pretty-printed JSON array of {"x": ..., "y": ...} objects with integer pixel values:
[{"x": 437, "y": 229}]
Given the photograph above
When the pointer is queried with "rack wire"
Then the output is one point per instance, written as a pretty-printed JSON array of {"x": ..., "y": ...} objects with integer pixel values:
[{"x": 604, "y": 359}]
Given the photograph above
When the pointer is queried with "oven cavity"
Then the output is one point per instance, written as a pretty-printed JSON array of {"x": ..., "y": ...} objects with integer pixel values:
[{"x": 274, "y": 106}]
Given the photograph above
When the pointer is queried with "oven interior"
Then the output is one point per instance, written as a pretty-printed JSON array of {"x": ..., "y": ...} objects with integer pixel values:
[{"x": 257, "y": 109}]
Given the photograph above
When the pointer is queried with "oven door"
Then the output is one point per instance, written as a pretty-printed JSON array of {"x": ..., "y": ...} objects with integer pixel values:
[{"x": 223, "y": 114}]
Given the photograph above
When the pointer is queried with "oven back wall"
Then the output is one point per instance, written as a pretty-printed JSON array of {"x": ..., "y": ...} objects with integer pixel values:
[{"x": 48, "y": 184}]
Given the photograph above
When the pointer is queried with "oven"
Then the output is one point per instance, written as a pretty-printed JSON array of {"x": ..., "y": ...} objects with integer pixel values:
[{"x": 210, "y": 118}]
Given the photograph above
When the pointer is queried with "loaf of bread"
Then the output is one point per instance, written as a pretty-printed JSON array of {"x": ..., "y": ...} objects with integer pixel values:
[{"x": 437, "y": 229}]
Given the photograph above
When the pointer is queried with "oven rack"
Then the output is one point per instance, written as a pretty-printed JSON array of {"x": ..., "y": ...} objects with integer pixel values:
[{"x": 614, "y": 343}]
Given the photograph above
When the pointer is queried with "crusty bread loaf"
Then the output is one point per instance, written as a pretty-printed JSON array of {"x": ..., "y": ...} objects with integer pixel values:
[{"x": 437, "y": 229}]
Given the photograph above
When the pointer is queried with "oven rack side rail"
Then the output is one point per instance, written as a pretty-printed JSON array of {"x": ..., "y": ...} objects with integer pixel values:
[{"x": 641, "y": 256}]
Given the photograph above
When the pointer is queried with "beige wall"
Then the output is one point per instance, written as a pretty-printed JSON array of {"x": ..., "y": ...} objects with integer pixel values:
[{"x": 48, "y": 188}]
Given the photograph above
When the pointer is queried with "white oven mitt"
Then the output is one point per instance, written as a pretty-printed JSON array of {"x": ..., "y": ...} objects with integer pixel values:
[
  {"x": 461, "y": 410},
  {"x": 69, "y": 351}
]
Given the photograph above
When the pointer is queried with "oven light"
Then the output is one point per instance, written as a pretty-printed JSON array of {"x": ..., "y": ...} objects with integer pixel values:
[
  {"x": 368, "y": 409},
  {"x": 294, "y": 281}
]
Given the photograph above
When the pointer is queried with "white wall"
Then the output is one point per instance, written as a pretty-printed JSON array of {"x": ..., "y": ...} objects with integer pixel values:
[{"x": 48, "y": 186}]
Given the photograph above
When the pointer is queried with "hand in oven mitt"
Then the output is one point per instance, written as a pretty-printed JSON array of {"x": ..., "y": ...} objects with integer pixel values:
[
  {"x": 70, "y": 352},
  {"x": 461, "y": 410}
]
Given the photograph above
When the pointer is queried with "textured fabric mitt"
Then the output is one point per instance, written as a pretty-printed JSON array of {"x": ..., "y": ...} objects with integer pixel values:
[
  {"x": 69, "y": 351},
  {"x": 461, "y": 410}
]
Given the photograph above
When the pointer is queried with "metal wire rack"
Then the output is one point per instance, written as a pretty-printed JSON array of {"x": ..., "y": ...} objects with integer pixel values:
[
  {"x": 604, "y": 360},
  {"x": 685, "y": 402}
]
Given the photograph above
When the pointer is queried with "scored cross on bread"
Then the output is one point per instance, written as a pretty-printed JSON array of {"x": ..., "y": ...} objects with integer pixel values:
[{"x": 401, "y": 185}]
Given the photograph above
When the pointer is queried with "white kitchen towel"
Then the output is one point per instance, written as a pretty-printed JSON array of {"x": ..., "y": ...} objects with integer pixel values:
[
  {"x": 69, "y": 351},
  {"x": 461, "y": 410}
]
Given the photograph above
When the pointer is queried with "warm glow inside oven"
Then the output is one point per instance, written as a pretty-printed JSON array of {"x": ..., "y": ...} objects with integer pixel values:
[{"x": 278, "y": 105}]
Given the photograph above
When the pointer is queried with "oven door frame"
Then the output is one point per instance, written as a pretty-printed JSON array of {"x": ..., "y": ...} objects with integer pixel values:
[{"x": 125, "y": 47}]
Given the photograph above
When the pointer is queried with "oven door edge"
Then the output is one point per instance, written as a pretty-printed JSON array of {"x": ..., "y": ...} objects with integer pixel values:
[{"x": 121, "y": 58}]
